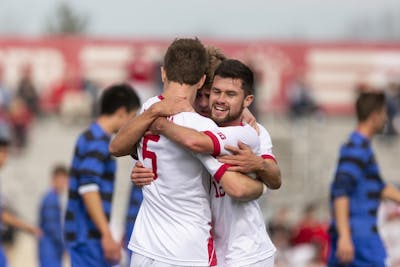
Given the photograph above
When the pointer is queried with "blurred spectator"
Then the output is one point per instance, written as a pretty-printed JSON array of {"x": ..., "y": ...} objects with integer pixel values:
[
  {"x": 26, "y": 90},
  {"x": 5, "y": 92},
  {"x": 51, "y": 243},
  {"x": 301, "y": 103},
  {"x": 393, "y": 107},
  {"x": 92, "y": 91},
  {"x": 309, "y": 230},
  {"x": 280, "y": 230},
  {"x": 20, "y": 119},
  {"x": 389, "y": 225}
]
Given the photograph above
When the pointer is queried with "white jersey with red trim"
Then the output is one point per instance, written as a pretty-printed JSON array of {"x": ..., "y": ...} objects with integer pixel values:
[
  {"x": 240, "y": 235},
  {"x": 265, "y": 143},
  {"x": 174, "y": 221}
]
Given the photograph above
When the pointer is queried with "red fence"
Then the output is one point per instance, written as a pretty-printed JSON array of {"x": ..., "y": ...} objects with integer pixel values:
[{"x": 332, "y": 69}]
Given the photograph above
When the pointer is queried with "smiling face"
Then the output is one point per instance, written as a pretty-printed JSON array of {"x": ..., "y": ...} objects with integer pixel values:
[{"x": 227, "y": 101}]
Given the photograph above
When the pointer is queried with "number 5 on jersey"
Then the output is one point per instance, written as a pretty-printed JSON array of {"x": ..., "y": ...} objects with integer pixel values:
[{"x": 147, "y": 154}]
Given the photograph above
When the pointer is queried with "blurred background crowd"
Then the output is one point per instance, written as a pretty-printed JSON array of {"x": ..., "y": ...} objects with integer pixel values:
[{"x": 306, "y": 87}]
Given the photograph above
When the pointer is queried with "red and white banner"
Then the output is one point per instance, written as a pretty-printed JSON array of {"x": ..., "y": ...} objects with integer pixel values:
[{"x": 332, "y": 69}]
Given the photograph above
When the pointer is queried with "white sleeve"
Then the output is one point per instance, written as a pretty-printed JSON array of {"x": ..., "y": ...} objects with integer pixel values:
[
  {"x": 265, "y": 143},
  {"x": 213, "y": 166},
  {"x": 232, "y": 135},
  {"x": 202, "y": 124}
]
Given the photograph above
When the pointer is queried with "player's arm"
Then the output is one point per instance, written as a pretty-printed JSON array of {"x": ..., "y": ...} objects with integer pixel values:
[
  {"x": 345, "y": 247},
  {"x": 124, "y": 142},
  {"x": 390, "y": 192},
  {"x": 10, "y": 219},
  {"x": 92, "y": 202},
  {"x": 245, "y": 161},
  {"x": 91, "y": 168},
  {"x": 235, "y": 184},
  {"x": 196, "y": 141},
  {"x": 241, "y": 187}
]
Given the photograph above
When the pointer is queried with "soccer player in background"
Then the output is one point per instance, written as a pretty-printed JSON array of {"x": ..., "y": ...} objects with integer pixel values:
[
  {"x": 86, "y": 230},
  {"x": 357, "y": 190},
  {"x": 6, "y": 216},
  {"x": 51, "y": 243}
]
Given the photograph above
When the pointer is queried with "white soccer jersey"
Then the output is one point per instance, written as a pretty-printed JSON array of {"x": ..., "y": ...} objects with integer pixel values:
[
  {"x": 240, "y": 236},
  {"x": 174, "y": 221}
]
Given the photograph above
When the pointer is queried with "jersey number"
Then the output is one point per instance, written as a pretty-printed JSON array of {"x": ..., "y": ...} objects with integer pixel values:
[
  {"x": 147, "y": 154},
  {"x": 219, "y": 191}
]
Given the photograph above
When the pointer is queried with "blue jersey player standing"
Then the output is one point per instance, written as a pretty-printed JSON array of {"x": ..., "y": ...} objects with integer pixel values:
[
  {"x": 51, "y": 243},
  {"x": 357, "y": 190},
  {"x": 91, "y": 185}
]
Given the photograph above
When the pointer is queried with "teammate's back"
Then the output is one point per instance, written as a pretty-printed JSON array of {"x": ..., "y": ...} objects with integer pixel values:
[{"x": 177, "y": 203}]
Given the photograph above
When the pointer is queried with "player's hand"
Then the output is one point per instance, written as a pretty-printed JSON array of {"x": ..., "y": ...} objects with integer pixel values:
[
  {"x": 345, "y": 250},
  {"x": 37, "y": 232},
  {"x": 111, "y": 249},
  {"x": 172, "y": 105},
  {"x": 141, "y": 176},
  {"x": 242, "y": 159},
  {"x": 248, "y": 118}
]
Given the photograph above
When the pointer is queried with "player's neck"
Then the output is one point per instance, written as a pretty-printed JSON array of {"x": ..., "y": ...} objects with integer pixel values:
[
  {"x": 365, "y": 130},
  {"x": 180, "y": 90},
  {"x": 237, "y": 122},
  {"x": 107, "y": 124}
]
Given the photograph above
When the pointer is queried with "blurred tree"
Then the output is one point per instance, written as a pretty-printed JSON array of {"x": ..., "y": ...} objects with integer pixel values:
[{"x": 66, "y": 20}]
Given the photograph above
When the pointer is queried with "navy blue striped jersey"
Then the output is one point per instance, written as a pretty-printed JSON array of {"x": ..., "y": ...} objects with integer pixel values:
[
  {"x": 93, "y": 167},
  {"x": 135, "y": 199},
  {"x": 357, "y": 176}
]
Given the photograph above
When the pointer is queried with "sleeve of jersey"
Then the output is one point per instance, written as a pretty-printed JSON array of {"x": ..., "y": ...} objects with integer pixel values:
[
  {"x": 91, "y": 169},
  {"x": 213, "y": 166},
  {"x": 199, "y": 123},
  {"x": 232, "y": 135},
  {"x": 265, "y": 144}
]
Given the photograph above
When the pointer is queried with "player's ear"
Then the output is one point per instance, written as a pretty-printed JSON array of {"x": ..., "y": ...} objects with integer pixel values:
[
  {"x": 163, "y": 75},
  {"x": 248, "y": 100},
  {"x": 202, "y": 81}
]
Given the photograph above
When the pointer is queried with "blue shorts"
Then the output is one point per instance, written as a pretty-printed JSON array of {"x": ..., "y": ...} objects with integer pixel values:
[
  {"x": 88, "y": 254},
  {"x": 3, "y": 259},
  {"x": 369, "y": 252},
  {"x": 50, "y": 254}
]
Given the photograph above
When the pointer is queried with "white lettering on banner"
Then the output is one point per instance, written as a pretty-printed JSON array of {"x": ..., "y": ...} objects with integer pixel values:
[
  {"x": 47, "y": 65},
  {"x": 334, "y": 73}
]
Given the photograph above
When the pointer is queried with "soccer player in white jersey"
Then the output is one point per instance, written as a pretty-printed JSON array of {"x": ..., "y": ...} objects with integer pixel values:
[
  {"x": 173, "y": 227},
  {"x": 240, "y": 236}
]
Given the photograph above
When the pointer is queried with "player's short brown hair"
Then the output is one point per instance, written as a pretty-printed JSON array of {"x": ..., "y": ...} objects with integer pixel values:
[
  {"x": 185, "y": 61},
  {"x": 215, "y": 57},
  {"x": 369, "y": 102}
]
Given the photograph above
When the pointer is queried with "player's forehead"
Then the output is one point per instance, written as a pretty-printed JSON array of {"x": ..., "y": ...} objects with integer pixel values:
[{"x": 227, "y": 84}]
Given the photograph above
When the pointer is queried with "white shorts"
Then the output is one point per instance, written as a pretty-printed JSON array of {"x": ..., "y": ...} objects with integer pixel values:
[
  {"x": 138, "y": 260},
  {"x": 264, "y": 263}
]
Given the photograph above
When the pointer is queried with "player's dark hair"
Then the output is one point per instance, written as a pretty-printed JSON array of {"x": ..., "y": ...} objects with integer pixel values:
[
  {"x": 369, "y": 102},
  {"x": 185, "y": 61},
  {"x": 232, "y": 68},
  {"x": 59, "y": 169},
  {"x": 116, "y": 96}
]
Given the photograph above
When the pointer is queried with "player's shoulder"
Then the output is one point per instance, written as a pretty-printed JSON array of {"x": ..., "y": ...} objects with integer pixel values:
[
  {"x": 149, "y": 102},
  {"x": 263, "y": 132},
  {"x": 193, "y": 120}
]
